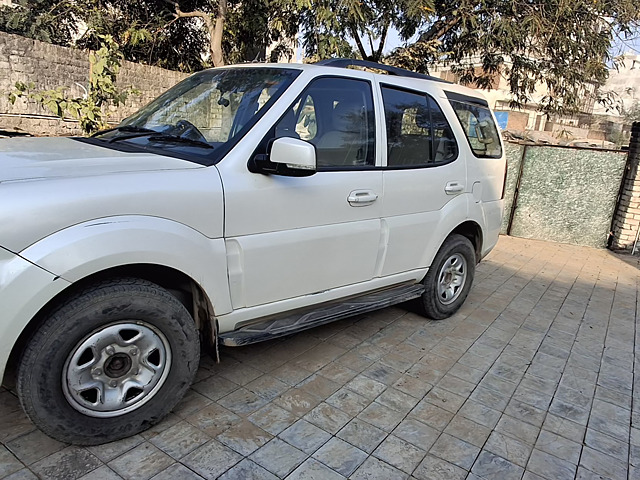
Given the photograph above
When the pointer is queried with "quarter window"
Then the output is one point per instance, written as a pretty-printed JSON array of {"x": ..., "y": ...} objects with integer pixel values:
[
  {"x": 336, "y": 116},
  {"x": 479, "y": 128},
  {"x": 418, "y": 133}
]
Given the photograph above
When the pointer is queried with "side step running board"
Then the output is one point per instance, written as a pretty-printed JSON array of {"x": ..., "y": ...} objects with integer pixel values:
[{"x": 301, "y": 320}]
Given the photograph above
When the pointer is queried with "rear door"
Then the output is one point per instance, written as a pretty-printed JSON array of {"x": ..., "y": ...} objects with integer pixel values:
[{"x": 424, "y": 172}]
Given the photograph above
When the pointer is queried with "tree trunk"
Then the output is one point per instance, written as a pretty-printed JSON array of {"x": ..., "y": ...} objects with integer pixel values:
[{"x": 215, "y": 29}]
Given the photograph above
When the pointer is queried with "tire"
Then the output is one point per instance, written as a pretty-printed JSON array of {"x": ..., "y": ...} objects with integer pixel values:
[
  {"x": 449, "y": 278},
  {"x": 108, "y": 363}
]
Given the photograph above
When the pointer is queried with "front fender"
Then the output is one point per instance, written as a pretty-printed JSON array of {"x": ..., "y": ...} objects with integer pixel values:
[{"x": 97, "y": 245}]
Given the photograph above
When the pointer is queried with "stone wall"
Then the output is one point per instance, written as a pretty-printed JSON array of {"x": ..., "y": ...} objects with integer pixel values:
[
  {"x": 627, "y": 217},
  {"x": 50, "y": 66}
]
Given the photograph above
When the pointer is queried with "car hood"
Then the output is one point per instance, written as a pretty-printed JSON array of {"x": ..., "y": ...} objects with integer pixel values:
[{"x": 40, "y": 158}]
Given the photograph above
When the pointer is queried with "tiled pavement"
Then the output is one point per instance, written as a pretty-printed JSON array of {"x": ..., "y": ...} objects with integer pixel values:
[{"x": 533, "y": 379}]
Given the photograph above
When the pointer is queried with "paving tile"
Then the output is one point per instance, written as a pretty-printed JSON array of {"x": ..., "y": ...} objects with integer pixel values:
[
  {"x": 101, "y": 473},
  {"x": 493, "y": 467},
  {"x": 606, "y": 444},
  {"x": 507, "y": 447},
  {"x": 527, "y": 413},
  {"x": 243, "y": 402},
  {"x": 177, "y": 471},
  {"x": 444, "y": 399},
  {"x": 340, "y": 456},
  {"x": 305, "y": 436},
  {"x": 213, "y": 419},
  {"x": 468, "y": 430},
  {"x": 290, "y": 374},
  {"x": 565, "y": 428},
  {"x": 434, "y": 468},
  {"x": 244, "y": 438},
  {"x": 367, "y": 387},
  {"x": 381, "y": 416},
  {"x": 26, "y": 474},
  {"x": 373, "y": 468},
  {"x": 515, "y": 428},
  {"x": 327, "y": 417},
  {"x": 211, "y": 459},
  {"x": 397, "y": 400},
  {"x": 362, "y": 435},
  {"x": 399, "y": 453},
  {"x": 180, "y": 439},
  {"x": 417, "y": 433},
  {"x": 108, "y": 451},
  {"x": 246, "y": 470},
  {"x": 140, "y": 463},
  {"x": 318, "y": 386},
  {"x": 215, "y": 387},
  {"x": 267, "y": 386},
  {"x": 191, "y": 403},
  {"x": 312, "y": 469},
  {"x": 412, "y": 386},
  {"x": 8, "y": 463},
  {"x": 33, "y": 446},
  {"x": 490, "y": 398},
  {"x": 602, "y": 464},
  {"x": 432, "y": 415},
  {"x": 348, "y": 401},
  {"x": 278, "y": 457},
  {"x": 455, "y": 451},
  {"x": 558, "y": 446},
  {"x": 272, "y": 418},
  {"x": 67, "y": 464},
  {"x": 14, "y": 425},
  {"x": 480, "y": 414},
  {"x": 297, "y": 401},
  {"x": 550, "y": 467},
  {"x": 337, "y": 373}
]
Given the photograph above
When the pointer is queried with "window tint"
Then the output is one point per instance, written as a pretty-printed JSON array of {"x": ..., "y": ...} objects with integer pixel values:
[
  {"x": 418, "y": 133},
  {"x": 335, "y": 115},
  {"x": 479, "y": 128}
]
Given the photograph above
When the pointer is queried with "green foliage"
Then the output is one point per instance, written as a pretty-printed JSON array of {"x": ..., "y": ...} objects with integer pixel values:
[
  {"x": 91, "y": 109},
  {"x": 633, "y": 114},
  {"x": 561, "y": 44},
  {"x": 51, "y": 21}
]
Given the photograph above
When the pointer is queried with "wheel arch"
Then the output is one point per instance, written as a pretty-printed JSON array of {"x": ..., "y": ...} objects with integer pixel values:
[
  {"x": 189, "y": 292},
  {"x": 472, "y": 231}
]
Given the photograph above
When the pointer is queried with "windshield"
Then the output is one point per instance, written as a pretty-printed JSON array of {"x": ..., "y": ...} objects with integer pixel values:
[{"x": 203, "y": 116}]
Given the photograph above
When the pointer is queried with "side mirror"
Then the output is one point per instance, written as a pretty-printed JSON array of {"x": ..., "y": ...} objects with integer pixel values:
[{"x": 289, "y": 157}]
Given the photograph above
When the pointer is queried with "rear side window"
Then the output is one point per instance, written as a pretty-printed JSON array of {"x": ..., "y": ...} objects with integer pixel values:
[
  {"x": 418, "y": 133},
  {"x": 479, "y": 128}
]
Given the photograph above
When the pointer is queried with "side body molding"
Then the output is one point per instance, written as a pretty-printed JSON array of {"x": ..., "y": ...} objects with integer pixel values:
[{"x": 97, "y": 245}]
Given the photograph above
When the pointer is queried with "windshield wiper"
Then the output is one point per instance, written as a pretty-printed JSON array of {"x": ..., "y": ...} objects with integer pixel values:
[
  {"x": 179, "y": 139},
  {"x": 124, "y": 128}
]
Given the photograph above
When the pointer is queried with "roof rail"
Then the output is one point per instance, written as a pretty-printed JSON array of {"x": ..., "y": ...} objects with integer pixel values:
[{"x": 351, "y": 62}]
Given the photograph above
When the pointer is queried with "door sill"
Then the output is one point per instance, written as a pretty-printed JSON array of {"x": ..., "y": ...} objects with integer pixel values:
[{"x": 293, "y": 322}]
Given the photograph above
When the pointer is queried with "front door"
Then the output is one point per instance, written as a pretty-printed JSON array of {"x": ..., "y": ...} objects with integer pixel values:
[{"x": 288, "y": 236}]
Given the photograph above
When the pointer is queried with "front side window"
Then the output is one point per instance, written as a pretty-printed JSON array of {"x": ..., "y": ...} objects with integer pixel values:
[
  {"x": 336, "y": 116},
  {"x": 418, "y": 133},
  {"x": 206, "y": 113},
  {"x": 479, "y": 128}
]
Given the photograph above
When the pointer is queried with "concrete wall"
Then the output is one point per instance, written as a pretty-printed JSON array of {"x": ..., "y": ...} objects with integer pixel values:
[{"x": 50, "y": 66}]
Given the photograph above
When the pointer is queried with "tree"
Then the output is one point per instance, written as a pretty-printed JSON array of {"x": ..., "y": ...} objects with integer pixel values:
[
  {"x": 329, "y": 25},
  {"x": 562, "y": 44}
]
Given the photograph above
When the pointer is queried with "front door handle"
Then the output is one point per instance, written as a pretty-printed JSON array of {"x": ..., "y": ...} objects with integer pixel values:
[
  {"x": 361, "y": 198},
  {"x": 451, "y": 188}
]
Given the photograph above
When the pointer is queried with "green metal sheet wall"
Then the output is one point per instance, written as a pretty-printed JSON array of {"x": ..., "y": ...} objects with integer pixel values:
[{"x": 566, "y": 195}]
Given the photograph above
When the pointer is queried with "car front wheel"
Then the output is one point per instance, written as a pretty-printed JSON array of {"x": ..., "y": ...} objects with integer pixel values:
[{"x": 109, "y": 362}]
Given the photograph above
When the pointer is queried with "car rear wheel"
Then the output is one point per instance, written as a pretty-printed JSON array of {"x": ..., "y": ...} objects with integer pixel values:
[
  {"x": 109, "y": 362},
  {"x": 449, "y": 278}
]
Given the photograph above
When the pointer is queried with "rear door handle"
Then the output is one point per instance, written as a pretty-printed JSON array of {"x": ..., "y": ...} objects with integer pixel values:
[
  {"x": 361, "y": 198},
  {"x": 451, "y": 188}
]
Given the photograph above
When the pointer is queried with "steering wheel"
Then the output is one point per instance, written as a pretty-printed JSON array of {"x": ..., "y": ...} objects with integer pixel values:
[{"x": 186, "y": 129}]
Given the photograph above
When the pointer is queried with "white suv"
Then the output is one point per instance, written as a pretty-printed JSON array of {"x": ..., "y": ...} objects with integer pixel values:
[{"x": 246, "y": 203}]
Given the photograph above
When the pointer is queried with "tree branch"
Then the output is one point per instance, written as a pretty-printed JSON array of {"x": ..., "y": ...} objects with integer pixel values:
[
  {"x": 438, "y": 29},
  {"x": 358, "y": 40},
  {"x": 383, "y": 39}
]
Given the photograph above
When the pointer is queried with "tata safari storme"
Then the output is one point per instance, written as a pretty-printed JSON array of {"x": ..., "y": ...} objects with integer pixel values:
[{"x": 244, "y": 204}]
